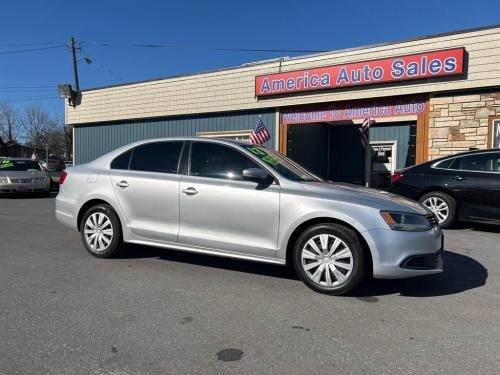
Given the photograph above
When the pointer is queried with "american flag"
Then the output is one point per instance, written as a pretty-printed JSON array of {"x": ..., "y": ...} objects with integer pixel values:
[
  {"x": 260, "y": 135},
  {"x": 364, "y": 130}
]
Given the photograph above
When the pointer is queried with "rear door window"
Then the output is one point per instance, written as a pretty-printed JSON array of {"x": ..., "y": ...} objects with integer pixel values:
[
  {"x": 445, "y": 164},
  {"x": 162, "y": 157},
  {"x": 455, "y": 164},
  {"x": 122, "y": 161}
]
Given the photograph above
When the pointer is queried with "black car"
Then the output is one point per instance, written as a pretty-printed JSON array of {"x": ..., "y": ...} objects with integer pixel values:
[{"x": 460, "y": 187}]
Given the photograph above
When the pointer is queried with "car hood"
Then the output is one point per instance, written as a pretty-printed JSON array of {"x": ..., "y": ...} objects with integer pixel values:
[
  {"x": 22, "y": 174},
  {"x": 370, "y": 197}
]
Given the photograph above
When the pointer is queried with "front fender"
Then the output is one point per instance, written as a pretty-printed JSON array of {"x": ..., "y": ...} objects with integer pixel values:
[{"x": 327, "y": 215}]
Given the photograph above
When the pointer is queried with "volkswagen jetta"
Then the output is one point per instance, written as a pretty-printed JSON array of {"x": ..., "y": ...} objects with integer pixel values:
[{"x": 235, "y": 199}]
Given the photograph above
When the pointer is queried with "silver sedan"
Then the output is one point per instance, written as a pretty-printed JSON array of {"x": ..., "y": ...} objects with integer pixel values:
[
  {"x": 238, "y": 200},
  {"x": 18, "y": 175}
]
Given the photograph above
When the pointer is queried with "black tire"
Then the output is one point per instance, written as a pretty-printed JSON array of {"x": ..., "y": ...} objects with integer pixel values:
[
  {"x": 116, "y": 242},
  {"x": 358, "y": 262},
  {"x": 450, "y": 202}
]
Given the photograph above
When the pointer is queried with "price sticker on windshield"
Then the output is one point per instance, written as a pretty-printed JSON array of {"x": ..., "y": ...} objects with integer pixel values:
[{"x": 6, "y": 163}]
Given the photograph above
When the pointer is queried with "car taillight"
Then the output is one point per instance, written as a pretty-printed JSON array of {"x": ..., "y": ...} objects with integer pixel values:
[
  {"x": 396, "y": 176},
  {"x": 63, "y": 178}
]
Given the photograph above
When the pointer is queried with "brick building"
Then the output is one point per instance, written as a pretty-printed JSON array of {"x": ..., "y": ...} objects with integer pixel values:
[{"x": 429, "y": 97}]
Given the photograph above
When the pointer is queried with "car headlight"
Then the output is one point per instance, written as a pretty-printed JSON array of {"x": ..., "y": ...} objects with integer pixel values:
[
  {"x": 405, "y": 221},
  {"x": 4, "y": 180}
]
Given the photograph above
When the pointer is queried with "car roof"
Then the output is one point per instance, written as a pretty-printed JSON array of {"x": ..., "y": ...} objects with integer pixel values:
[
  {"x": 460, "y": 154},
  {"x": 184, "y": 139},
  {"x": 105, "y": 159}
]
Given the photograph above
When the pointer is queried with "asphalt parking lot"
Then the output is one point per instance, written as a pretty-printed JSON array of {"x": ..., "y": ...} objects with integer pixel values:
[{"x": 154, "y": 311}]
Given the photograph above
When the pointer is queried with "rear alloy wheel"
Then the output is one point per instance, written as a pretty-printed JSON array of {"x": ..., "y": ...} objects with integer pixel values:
[
  {"x": 442, "y": 205},
  {"x": 329, "y": 259},
  {"x": 101, "y": 232}
]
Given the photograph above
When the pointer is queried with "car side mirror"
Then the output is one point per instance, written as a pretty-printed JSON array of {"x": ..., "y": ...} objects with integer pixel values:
[{"x": 255, "y": 174}]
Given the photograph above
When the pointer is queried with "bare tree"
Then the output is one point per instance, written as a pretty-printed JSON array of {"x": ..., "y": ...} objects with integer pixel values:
[
  {"x": 39, "y": 127},
  {"x": 10, "y": 122},
  {"x": 68, "y": 137},
  {"x": 59, "y": 141}
]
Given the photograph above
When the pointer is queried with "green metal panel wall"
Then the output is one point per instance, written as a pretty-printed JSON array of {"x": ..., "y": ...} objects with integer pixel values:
[
  {"x": 94, "y": 140},
  {"x": 404, "y": 133}
]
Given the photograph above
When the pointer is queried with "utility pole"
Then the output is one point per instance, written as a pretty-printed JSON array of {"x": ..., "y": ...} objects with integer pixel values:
[{"x": 75, "y": 68}]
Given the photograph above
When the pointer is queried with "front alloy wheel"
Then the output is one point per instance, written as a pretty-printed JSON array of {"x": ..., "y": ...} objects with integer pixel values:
[{"x": 329, "y": 258}]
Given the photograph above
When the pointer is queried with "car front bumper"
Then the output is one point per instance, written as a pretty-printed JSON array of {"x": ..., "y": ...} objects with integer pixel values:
[
  {"x": 399, "y": 254},
  {"x": 16, "y": 188}
]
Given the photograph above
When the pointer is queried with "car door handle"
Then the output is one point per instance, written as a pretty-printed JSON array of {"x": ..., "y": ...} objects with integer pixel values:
[
  {"x": 458, "y": 178},
  {"x": 190, "y": 191},
  {"x": 122, "y": 184}
]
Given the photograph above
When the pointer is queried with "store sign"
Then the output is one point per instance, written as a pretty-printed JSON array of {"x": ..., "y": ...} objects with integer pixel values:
[
  {"x": 390, "y": 107},
  {"x": 395, "y": 69}
]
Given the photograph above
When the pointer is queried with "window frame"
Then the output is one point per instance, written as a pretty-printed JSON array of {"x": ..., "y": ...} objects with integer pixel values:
[
  {"x": 255, "y": 161},
  {"x": 491, "y": 122}
]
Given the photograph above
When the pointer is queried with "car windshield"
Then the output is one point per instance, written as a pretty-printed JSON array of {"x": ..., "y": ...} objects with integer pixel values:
[
  {"x": 281, "y": 164},
  {"x": 19, "y": 165}
]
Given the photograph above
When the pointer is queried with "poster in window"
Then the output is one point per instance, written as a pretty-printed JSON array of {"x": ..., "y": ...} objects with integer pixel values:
[{"x": 382, "y": 158}]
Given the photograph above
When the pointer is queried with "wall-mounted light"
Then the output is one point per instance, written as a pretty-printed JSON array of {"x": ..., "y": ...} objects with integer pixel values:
[{"x": 67, "y": 92}]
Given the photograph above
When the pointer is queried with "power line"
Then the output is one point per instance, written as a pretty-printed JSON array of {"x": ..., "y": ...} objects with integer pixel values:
[
  {"x": 27, "y": 44},
  {"x": 22, "y": 91},
  {"x": 102, "y": 66},
  {"x": 27, "y": 87},
  {"x": 28, "y": 99},
  {"x": 188, "y": 46},
  {"x": 31, "y": 49}
]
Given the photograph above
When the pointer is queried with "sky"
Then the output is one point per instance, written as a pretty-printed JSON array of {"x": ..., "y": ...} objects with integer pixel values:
[{"x": 195, "y": 29}]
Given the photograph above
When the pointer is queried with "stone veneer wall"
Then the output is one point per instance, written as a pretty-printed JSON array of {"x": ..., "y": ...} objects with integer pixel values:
[{"x": 458, "y": 123}]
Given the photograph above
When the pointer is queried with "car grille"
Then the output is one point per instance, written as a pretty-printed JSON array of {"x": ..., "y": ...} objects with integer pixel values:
[
  {"x": 432, "y": 220},
  {"x": 21, "y": 180}
]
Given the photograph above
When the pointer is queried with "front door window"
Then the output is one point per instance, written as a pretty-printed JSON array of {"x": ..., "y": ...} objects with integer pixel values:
[{"x": 218, "y": 161}]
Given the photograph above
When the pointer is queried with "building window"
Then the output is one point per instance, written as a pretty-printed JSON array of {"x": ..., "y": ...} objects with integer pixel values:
[{"x": 495, "y": 133}]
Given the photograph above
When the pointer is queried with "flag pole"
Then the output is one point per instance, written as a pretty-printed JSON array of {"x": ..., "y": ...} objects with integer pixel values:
[{"x": 367, "y": 156}]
